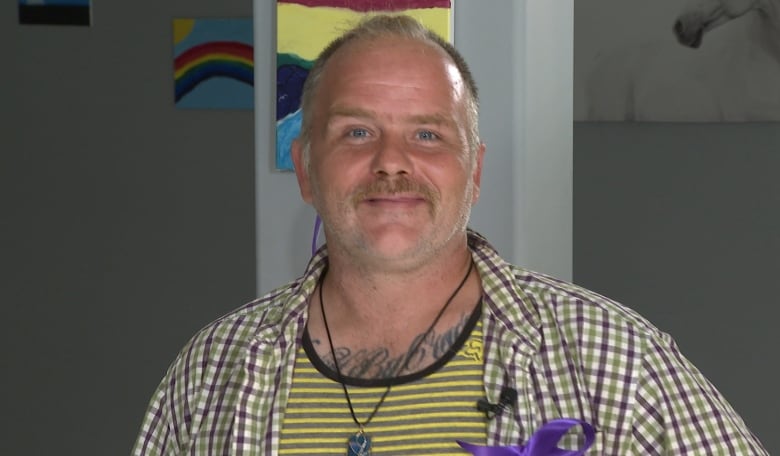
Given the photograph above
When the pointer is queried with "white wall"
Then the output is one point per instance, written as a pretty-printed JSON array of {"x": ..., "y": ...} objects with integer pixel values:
[
  {"x": 521, "y": 56},
  {"x": 543, "y": 166}
]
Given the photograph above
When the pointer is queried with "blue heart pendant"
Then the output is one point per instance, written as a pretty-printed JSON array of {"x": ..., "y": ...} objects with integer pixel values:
[{"x": 359, "y": 445}]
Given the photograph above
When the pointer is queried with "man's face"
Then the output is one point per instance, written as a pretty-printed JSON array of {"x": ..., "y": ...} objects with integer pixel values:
[{"x": 390, "y": 171}]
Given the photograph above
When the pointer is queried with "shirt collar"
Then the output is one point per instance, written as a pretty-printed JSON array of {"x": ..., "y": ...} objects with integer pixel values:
[{"x": 505, "y": 299}]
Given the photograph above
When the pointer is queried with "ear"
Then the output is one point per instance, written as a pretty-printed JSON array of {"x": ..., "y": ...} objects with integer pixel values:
[
  {"x": 304, "y": 184},
  {"x": 476, "y": 175}
]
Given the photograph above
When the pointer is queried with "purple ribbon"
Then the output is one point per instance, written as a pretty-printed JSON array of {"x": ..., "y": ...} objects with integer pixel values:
[{"x": 543, "y": 442}]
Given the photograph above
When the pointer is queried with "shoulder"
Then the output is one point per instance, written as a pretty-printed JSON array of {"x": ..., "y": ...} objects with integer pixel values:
[
  {"x": 278, "y": 314},
  {"x": 226, "y": 339},
  {"x": 530, "y": 303},
  {"x": 579, "y": 309},
  {"x": 198, "y": 394},
  {"x": 596, "y": 329},
  {"x": 586, "y": 352}
]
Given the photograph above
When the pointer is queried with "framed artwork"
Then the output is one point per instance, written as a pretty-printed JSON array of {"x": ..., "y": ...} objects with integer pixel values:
[
  {"x": 677, "y": 61},
  {"x": 55, "y": 12},
  {"x": 305, "y": 27},
  {"x": 213, "y": 63}
]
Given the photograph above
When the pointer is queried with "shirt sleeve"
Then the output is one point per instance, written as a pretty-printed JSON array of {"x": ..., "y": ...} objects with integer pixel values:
[
  {"x": 164, "y": 430},
  {"x": 679, "y": 412}
]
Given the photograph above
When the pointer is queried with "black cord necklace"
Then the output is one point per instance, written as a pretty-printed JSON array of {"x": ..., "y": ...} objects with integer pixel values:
[{"x": 359, "y": 444}]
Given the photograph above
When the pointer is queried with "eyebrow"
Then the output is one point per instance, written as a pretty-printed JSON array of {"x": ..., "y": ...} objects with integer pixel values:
[
  {"x": 431, "y": 119},
  {"x": 360, "y": 113},
  {"x": 339, "y": 111}
]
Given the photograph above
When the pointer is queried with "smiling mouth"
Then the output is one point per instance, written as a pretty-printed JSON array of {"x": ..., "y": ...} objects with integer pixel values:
[
  {"x": 397, "y": 199},
  {"x": 401, "y": 192}
]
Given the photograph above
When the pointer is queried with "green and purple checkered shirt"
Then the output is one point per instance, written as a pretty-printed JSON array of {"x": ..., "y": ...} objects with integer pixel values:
[{"x": 568, "y": 352}]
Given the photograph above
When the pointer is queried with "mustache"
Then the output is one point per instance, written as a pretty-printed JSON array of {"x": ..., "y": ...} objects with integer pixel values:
[{"x": 393, "y": 187}]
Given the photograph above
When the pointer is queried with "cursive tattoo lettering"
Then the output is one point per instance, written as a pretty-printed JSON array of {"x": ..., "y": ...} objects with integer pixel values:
[{"x": 378, "y": 363}]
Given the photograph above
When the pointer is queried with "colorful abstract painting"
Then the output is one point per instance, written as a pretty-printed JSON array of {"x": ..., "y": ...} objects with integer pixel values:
[
  {"x": 305, "y": 27},
  {"x": 55, "y": 12},
  {"x": 213, "y": 65}
]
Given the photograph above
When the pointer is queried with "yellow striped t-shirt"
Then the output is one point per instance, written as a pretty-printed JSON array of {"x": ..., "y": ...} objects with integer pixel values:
[{"x": 424, "y": 413}]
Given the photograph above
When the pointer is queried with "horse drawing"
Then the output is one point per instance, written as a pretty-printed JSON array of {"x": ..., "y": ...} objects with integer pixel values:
[{"x": 726, "y": 67}]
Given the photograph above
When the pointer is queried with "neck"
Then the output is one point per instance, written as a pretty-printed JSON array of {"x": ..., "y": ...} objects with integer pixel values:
[
  {"x": 380, "y": 313},
  {"x": 366, "y": 293},
  {"x": 378, "y": 337}
]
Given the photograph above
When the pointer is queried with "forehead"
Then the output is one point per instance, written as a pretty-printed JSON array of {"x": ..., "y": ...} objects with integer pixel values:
[{"x": 393, "y": 59}]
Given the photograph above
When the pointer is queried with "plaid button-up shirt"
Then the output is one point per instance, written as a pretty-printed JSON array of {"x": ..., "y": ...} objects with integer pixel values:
[{"x": 568, "y": 352}]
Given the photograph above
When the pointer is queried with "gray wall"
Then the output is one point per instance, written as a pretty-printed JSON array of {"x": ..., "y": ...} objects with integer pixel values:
[
  {"x": 126, "y": 224},
  {"x": 682, "y": 223}
]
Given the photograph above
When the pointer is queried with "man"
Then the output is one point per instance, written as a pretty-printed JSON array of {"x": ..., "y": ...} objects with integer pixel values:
[{"x": 407, "y": 331}]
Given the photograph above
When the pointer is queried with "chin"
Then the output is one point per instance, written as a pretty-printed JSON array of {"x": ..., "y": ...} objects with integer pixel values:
[{"x": 397, "y": 243}]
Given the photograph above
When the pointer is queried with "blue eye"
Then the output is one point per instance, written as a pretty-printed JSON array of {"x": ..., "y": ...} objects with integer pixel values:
[
  {"x": 427, "y": 135},
  {"x": 358, "y": 133}
]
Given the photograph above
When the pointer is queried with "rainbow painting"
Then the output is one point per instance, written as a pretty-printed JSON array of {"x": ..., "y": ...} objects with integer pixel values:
[
  {"x": 55, "y": 12},
  {"x": 305, "y": 27},
  {"x": 213, "y": 66}
]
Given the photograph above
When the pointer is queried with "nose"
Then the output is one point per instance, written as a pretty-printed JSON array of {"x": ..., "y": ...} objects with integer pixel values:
[{"x": 391, "y": 157}]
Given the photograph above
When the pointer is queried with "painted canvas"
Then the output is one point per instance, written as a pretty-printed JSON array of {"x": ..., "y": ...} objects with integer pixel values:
[
  {"x": 55, "y": 12},
  {"x": 677, "y": 60},
  {"x": 305, "y": 27},
  {"x": 213, "y": 65}
]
